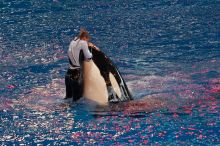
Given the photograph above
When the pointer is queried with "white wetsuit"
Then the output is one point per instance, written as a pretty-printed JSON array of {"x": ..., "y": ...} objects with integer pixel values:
[{"x": 75, "y": 47}]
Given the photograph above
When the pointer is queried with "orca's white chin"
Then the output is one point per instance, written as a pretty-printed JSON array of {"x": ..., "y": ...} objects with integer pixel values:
[{"x": 94, "y": 86}]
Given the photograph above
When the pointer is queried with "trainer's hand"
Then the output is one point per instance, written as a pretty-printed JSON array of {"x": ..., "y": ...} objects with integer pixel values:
[{"x": 93, "y": 46}]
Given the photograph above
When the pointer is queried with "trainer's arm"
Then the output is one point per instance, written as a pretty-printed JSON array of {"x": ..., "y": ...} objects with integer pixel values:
[
  {"x": 94, "y": 46},
  {"x": 86, "y": 52}
]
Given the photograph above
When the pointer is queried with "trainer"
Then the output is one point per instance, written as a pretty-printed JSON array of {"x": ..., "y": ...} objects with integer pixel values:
[{"x": 72, "y": 77}]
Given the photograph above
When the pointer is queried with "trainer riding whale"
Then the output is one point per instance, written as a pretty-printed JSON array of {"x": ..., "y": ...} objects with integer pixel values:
[{"x": 92, "y": 74}]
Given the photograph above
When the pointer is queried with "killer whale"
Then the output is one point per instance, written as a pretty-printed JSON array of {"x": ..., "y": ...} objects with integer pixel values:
[{"x": 101, "y": 80}]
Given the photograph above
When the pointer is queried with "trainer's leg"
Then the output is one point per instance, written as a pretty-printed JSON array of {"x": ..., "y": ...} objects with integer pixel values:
[
  {"x": 68, "y": 83},
  {"x": 76, "y": 91},
  {"x": 77, "y": 88}
]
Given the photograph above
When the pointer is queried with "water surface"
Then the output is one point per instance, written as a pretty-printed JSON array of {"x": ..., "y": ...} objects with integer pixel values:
[{"x": 168, "y": 52}]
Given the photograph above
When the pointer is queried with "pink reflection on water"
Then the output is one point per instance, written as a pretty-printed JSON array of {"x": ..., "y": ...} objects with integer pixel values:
[
  {"x": 5, "y": 104},
  {"x": 10, "y": 86},
  {"x": 215, "y": 85},
  {"x": 47, "y": 98}
]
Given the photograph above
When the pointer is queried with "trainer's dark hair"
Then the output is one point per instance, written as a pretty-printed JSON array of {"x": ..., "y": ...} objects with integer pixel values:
[{"x": 83, "y": 34}]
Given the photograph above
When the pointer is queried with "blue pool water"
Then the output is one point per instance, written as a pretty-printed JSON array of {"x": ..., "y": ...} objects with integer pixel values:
[{"x": 167, "y": 50}]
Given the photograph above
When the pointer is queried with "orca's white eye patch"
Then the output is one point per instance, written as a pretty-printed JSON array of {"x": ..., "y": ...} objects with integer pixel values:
[{"x": 115, "y": 85}]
